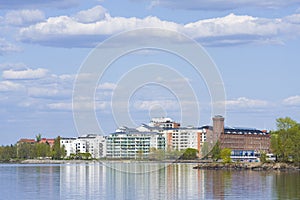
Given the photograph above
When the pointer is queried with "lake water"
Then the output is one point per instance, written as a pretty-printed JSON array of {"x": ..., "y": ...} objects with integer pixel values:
[{"x": 113, "y": 180}]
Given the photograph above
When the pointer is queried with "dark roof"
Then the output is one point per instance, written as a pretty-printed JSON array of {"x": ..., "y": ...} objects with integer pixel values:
[{"x": 243, "y": 131}]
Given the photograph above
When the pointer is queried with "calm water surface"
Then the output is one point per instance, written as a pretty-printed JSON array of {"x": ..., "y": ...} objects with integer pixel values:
[{"x": 142, "y": 181}]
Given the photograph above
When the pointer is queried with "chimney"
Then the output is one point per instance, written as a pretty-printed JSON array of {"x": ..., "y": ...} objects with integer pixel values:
[{"x": 218, "y": 126}]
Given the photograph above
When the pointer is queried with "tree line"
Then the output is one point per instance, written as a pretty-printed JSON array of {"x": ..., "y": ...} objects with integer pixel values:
[
  {"x": 285, "y": 141},
  {"x": 30, "y": 151}
]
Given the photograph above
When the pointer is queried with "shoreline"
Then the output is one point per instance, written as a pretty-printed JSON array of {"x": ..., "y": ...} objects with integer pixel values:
[
  {"x": 249, "y": 166},
  {"x": 200, "y": 164},
  {"x": 50, "y": 161}
]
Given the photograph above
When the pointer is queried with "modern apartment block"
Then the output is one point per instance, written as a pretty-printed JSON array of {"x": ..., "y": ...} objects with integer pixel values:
[
  {"x": 177, "y": 137},
  {"x": 131, "y": 143},
  {"x": 165, "y": 134},
  {"x": 91, "y": 143}
]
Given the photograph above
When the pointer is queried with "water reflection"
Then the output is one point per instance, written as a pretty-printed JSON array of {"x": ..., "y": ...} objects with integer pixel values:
[
  {"x": 29, "y": 182},
  {"x": 175, "y": 181},
  {"x": 153, "y": 181},
  {"x": 287, "y": 185},
  {"x": 101, "y": 181}
]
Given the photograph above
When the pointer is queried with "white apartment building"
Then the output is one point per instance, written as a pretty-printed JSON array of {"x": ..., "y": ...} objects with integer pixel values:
[
  {"x": 69, "y": 144},
  {"x": 91, "y": 143},
  {"x": 131, "y": 143},
  {"x": 176, "y": 137}
]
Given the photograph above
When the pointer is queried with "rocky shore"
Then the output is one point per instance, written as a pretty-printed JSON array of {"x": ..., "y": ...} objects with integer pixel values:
[{"x": 247, "y": 166}]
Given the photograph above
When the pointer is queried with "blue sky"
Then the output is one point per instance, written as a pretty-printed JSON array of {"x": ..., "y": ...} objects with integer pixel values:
[{"x": 255, "y": 45}]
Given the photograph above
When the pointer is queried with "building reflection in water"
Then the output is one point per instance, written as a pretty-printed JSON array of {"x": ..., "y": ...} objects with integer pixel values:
[
  {"x": 138, "y": 180},
  {"x": 131, "y": 181}
]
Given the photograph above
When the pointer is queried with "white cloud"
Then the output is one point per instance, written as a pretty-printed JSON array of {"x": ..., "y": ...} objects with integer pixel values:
[
  {"x": 91, "y": 15},
  {"x": 23, "y": 17},
  {"x": 7, "y": 47},
  {"x": 107, "y": 86},
  {"x": 25, "y": 74},
  {"x": 71, "y": 31},
  {"x": 89, "y": 27},
  {"x": 149, "y": 104},
  {"x": 6, "y": 86},
  {"x": 223, "y": 5},
  {"x": 60, "y": 106},
  {"x": 48, "y": 93},
  {"x": 292, "y": 101},
  {"x": 81, "y": 106},
  {"x": 243, "y": 102}
]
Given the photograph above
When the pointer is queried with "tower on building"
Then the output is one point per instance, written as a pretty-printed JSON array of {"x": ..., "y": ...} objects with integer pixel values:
[{"x": 218, "y": 126}]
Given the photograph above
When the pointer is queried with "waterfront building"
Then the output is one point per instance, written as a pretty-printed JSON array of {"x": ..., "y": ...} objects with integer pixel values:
[
  {"x": 176, "y": 137},
  {"x": 69, "y": 145},
  {"x": 93, "y": 144},
  {"x": 134, "y": 144},
  {"x": 90, "y": 143},
  {"x": 47, "y": 141},
  {"x": 25, "y": 140},
  {"x": 245, "y": 143}
]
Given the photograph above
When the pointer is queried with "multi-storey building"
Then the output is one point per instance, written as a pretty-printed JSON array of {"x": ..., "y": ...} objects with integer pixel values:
[
  {"x": 165, "y": 134},
  {"x": 69, "y": 145},
  {"x": 131, "y": 143},
  {"x": 177, "y": 137},
  {"x": 91, "y": 143},
  {"x": 244, "y": 142}
]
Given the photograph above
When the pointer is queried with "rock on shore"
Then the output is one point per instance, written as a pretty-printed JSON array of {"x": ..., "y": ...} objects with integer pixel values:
[{"x": 247, "y": 166}]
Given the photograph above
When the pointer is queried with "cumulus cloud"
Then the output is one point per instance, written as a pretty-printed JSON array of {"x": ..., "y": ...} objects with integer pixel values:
[
  {"x": 7, "y": 47},
  {"x": 292, "y": 101},
  {"x": 7, "y": 86},
  {"x": 23, "y": 17},
  {"x": 243, "y": 102},
  {"x": 72, "y": 32},
  {"x": 25, "y": 74},
  {"x": 89, "y": 27},
  {"x": 91, "y": 15},
  {"x": 222, "y": 5}
]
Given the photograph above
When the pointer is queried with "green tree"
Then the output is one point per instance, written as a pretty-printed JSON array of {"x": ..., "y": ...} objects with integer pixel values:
[
  {"x": 42, "y": 150},
  {"x": 285, "y": 141},
  {"x": 216, "y": 152},
  {"x": 225, "y": 155},
  {"x": 8, "y": 152},
  {"x": 58, "y": 152},
  {"x": 189, "y": 154},
  {"x": 285, "y": 123},
  {"x": 204, "y": 150},
  {"x": 25, "y": 151},
  {"x": 263, "y": 157},
  {"x": 38, "y": 137}
]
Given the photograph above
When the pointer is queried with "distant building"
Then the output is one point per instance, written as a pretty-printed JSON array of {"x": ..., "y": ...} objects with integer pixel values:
[
  {"x": 33, "y": 141},
  {"x": 131, "y": 143},
  {"x": 28, "y": 141},
  {"x": 47, "y": 141},
  {"x": 69, "y": 145},
  {"x": 177, "y": 137},
  {"x": 244, "y": 142},
  {"x": 90, "y": 143}
]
